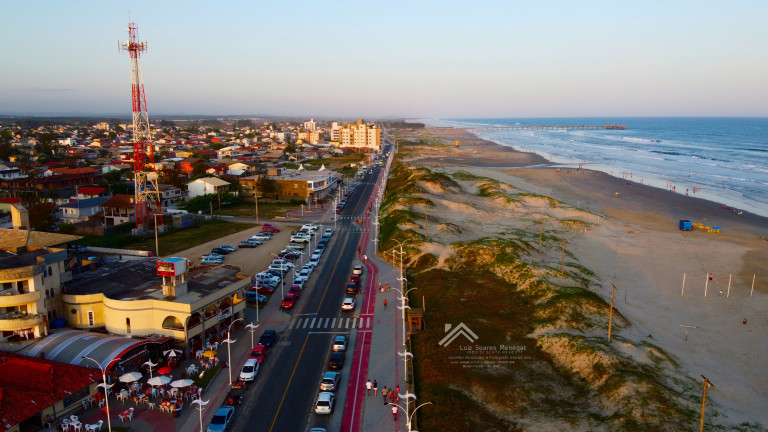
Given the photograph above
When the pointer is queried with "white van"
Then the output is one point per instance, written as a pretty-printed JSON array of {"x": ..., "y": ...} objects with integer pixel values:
[{"x": 250, "y": 369}]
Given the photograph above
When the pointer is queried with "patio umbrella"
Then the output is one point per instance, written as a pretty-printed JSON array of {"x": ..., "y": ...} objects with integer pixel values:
[
  {"x": 159, "y": 380},
  {"x": 130, "y": 377},
  {"x": 164, "y": 370},
  {"x": 209, "y": 353},
  {"x": 172, "y": 353},
  {"x": 182, "y": 383}
]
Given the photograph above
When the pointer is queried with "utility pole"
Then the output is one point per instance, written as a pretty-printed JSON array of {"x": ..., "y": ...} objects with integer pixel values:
[
  {"x": 256, "y": 201},
  {"x": 610, "y": 314},
  {"x": 707, "y": 383}
]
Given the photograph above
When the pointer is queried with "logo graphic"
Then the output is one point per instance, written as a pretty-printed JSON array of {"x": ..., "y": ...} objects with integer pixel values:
[{"x": 459, "y": 330}]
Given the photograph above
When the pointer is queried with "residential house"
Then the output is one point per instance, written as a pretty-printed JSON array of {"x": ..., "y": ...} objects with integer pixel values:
[
  {"x": 206, "y": 185},
  {"x": 81, "y": 210},
  {"x": 191, "y": 165},
  {"x": 119, "y": 209}
]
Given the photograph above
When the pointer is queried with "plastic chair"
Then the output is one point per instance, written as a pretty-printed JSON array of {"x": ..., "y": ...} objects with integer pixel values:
[
  {"x": 100, "y": 424},
  {"x": 130, "y": 415}
]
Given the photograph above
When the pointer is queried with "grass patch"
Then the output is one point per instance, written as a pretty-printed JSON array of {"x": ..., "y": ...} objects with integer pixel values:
[
  {"x": 207, "y": 377},
  {"x": 267, "y": 209},
  {"x": 552, "y": 202},
  {"x": 170, "y": 242}
]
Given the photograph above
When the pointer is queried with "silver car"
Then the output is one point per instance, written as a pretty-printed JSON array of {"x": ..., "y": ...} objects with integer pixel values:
[{"x": 330, "y": 381}]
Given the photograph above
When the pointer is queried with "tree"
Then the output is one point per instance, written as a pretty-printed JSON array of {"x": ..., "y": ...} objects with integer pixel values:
[
  {"x": 266, "y": 185},
  {"x": 290, "y": 148}
]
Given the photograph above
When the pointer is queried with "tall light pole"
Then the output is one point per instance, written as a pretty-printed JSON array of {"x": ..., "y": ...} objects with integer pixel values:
[
  {"x": 151, "y": 365},
  {"x": 252, "y": 328},
  {"x": 229, "y": 343},
  {"x": 707, "y": 383},
  {"x": 410, "y": 418},
  {"x": 200, "y": 404},
  {"x": 405, "y": 355},
  {"x": 157, "y": 245},
  {"x": 256, "y": 201},
  {"x": 106, "y": 393}
]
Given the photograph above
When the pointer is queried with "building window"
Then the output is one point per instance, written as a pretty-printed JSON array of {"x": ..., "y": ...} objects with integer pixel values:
[
  {"x": 128, "y": 324},
  {"x": 90, "y": 318},
  {"x": 50, "y": 271}
]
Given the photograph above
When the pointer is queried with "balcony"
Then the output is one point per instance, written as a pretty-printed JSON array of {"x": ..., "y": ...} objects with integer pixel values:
[
  {"x": 9, "y": 298},
  {"x": 19, "y": 320}
]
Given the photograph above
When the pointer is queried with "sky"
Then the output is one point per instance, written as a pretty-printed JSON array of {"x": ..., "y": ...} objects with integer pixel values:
[{"x": 414, "y": 59}]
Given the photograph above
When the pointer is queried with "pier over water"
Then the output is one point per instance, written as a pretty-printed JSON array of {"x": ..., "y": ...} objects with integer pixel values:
[{"x": 493, "y": 128}]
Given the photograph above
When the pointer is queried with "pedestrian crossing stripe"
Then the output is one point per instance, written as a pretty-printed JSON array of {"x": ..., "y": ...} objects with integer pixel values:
[{"x": 332, "y": 323}]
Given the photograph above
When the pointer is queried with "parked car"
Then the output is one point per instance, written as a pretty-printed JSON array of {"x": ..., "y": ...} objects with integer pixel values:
[
  {"x": 210, "y": 261},
  {"x": 258, "y": 353},
  {"x": 325, "y": 403},
  {"x": 353, "y": 288},
  {"x": 255, "y": 296},
  {"x": 311, "y": 226},
  {"x": 220, "y": 251},
  {"x": 277, "y": 273},
  {"x": 279, "y": 267},
  {"x": 328, "y": 232},
  {"x": 358, "y": 270},
  {"x": 222, "y": 419},
  {"x": 354, "y": 278},
  {"x": 330, "y": 381},
  {"x": 246, "y": 244},
  {"x": 286, "y": 263},
  {"x": 300, "y": 238},
  {"x": 295, "y": 290},
  {"x": 315, "y": 256},
  {"x": 348, "y": 304},
  {"x": 250, "y": 370},
  {"x": 314, "y": 261},
  {"x": 265, "y": 289},
  {"x": 289, "y": 301},
  {"x": 261, "y": 237},
  {"x": 268, "y": 338},
  {"x": 215, "y": 255},
  {"x": 339, "y": 343},
  {"x": 270, "y": 227},
  {"x": 229, "y": 248},
  {"x": 336, "y": 361},
  {"x": 77, "y": 248},
  {"x": 297, "y": 246}
]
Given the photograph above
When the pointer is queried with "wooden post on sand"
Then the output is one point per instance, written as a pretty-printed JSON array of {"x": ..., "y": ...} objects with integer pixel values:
[
  {"x": 707, "y": 383},
  {"x": 683, "y": 290},
  {"x": 610, "y": 314}
]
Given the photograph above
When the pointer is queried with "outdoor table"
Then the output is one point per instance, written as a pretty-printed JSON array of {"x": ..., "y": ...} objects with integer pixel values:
[
  {"x": 199, "y": 354},
  {"x": 141, "y": 399},
  {"x": 124, "y": 414},
  {"x": 75, "y": 424}
]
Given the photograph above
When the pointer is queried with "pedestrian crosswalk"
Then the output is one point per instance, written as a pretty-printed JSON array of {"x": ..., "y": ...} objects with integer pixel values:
[{"x": 332, "y": 323}]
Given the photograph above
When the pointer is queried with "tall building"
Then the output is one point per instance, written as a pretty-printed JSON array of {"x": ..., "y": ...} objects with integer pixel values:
[
  {"x": 363, "y": 137},
  {"x": 310, "y": 125}
]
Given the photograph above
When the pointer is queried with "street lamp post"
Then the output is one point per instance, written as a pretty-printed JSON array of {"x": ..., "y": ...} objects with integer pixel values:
[
  {"x": 151, "y": 365},
  {"x": 252, "y": 328},
  {"x": 200, "y": 404},
  {"x": 106, "y": 393},
  {"x": 157, "y": 245},
  {"x": 405, "y": 355},
  {"x": 410, "y": 418},
  {"x": 229, "y": 343}
]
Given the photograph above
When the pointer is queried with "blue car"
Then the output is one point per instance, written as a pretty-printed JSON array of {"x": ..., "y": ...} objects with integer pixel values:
[{"x": 222, "y": 419}]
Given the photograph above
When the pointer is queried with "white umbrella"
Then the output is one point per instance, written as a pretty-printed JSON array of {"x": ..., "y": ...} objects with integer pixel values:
[
  {"x": 182, "y": 383},
  {"x": 172, "y": 352},
  {"x": 130, "y": 377},
  {"x": 159, "y": 380}
]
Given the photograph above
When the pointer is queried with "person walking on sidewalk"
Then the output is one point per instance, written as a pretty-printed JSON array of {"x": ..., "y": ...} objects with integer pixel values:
[
  {"x": 368, "y": 386},
  {"x": 375, "y": 387},
  {"x": 394, "y": 412},
  {"x": 397, "y": 393},
  {"x": 384, "y": 394},
  {"x": 387, "y": 286}
]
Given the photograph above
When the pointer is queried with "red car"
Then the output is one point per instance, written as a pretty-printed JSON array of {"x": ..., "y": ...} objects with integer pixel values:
[
  {"x": 289, "y": 301},
  {"x": 355, "y": 278},
  {"x": 264, "y": 289},
  {"x": 258, "y": 353},
  {"x": 295, "y": 290},
  {"x": 270, "y": 227}
]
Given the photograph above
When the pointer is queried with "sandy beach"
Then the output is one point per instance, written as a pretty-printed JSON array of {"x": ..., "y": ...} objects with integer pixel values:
[{"x": 627, "y": 234}]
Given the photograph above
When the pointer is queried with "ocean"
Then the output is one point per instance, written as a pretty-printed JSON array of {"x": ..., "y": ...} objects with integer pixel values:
[{"x": 722, "y": 159}]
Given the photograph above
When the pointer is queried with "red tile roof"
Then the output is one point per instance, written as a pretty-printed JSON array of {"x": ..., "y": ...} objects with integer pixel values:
[
  {"x": 88, "y": 190},
  {"x": 28, "y": 385},
  {"x": 11, "y": 200}
]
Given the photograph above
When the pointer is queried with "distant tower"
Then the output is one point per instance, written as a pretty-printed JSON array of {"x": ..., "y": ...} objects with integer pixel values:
[{"x": 147, "y": 200}]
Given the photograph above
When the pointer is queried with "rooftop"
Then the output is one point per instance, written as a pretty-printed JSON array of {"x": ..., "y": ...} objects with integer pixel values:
[
  {"x": 138, "y": 280},
  {"x": 14, "y": 238}
]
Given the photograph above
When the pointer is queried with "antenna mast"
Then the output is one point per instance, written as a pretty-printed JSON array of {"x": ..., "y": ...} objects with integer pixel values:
[{"x": 147, "y": 193}]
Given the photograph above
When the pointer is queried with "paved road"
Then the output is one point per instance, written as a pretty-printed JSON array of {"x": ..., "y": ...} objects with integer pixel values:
[{"x": 283, "y": 395}]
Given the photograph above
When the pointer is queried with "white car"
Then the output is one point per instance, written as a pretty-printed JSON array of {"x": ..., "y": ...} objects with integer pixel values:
[
  {"x": 261, "y": 237},
  {"x": 304, "y": 273},
  {"x": 250, "y": 370},
  {"x": 209, "y": 261},
  {"x": 348, "y": 305},
  {"x": 300, "y": 281},
  {"x": 328, "y": 232},
  {"x": 310, "y": 226},
  {"x": 358, "y": 270},
  {"x": 315, "y": 256},
  {"x": 330, "y": 381},
  {"x": 300, "y": 238},
  {"x": 325, "y": 403},
  {"x": 314, "y": 261},
  {"x": 340, "y": 343},
  {"x": 287, "y": 264}
]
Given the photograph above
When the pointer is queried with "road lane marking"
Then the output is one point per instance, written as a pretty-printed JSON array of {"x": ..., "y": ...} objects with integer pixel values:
[
  {"x": 313, "y": 323},
  {"x": 306, "y": 338},
  {"x": 325, "y": 325},
  {"x": 306, "y": 321},
  {"x": 333, "y": 323}
]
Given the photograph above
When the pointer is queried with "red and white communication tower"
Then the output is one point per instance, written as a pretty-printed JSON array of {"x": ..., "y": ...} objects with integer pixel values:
[{"x": 148, "y": 203}]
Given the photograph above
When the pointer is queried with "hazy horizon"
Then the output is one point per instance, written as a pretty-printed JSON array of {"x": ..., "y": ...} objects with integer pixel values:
[{"x": 397, "y": 60}]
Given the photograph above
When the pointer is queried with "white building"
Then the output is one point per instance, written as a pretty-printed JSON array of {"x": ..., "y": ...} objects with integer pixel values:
[
  {"x": 310, "y": 125},
  {"x": 81, "y": 210},
  {"x": 207, "y": 185}
]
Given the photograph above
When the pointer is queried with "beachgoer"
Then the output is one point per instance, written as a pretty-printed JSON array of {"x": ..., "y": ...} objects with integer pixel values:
[
  {"x": 384, "y": 394},
  {"x": 711, "y": 276},
  {"x": 368, "y": 387},
  {"x": 375, "y": 387},
  {"x": 394, "y": 412},
  {"x": 385, "y": 302},
  {"x": 745, "y": 321}
]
